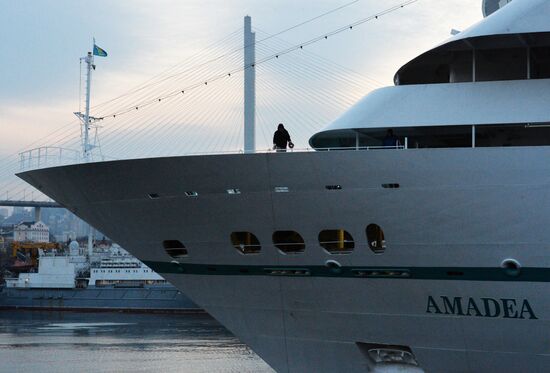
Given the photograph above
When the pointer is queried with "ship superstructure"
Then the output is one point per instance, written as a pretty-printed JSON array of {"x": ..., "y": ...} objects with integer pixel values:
[
  {"x": 110, "y": 279},
  {"x": 422, "y": 248}
]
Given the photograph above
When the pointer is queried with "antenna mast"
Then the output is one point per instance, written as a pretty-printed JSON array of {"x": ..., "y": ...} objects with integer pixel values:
[
  {"x": 87, "y": 120},
  {"x": 86, "y": 149}
]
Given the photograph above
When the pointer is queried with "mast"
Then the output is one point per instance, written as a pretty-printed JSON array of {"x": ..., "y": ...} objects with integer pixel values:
[
  {"x": 249, "y": 86},
  {"x": 86, "y": 119},
  {"x": 89, "y": 59}
]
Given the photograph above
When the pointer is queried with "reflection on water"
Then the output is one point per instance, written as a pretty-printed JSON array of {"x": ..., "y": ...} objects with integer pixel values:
[
  {"x": 33, "y": 341},
  {"x": 81, "y": 325}
]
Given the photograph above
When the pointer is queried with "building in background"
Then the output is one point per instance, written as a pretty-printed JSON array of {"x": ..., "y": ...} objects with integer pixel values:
[{"x": 29, "y": 231}]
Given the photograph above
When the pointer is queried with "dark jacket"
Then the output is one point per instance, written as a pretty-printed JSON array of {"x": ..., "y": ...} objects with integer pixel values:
[
  {"x": 281, "y": 138},
  {"x": 391, "y": 140}
]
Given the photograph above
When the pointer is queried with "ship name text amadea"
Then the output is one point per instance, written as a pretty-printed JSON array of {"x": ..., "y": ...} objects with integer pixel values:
[{"x": 507, "y": 308}]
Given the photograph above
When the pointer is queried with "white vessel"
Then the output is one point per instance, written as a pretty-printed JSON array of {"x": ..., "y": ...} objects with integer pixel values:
[
  {"x": 429, "y": 254},
  {"x": 110, "y": 279}
]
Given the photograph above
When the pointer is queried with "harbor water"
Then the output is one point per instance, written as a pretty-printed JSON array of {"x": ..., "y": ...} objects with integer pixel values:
[{"x": 35, "y": 341}]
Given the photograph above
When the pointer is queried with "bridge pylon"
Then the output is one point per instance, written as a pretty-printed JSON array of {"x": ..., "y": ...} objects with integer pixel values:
[{"x": 249, "y": 86}]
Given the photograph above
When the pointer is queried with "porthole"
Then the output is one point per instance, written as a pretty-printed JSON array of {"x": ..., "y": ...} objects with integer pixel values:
[
  {"x": 390, "y": 186},
  {"x": 333, "y": 266},
  {"x": 511, "y": 267},
  {"x": 336, "y": 241},
  {"x": 174, "y": 248},
  {"x": 245, "y": 242},
  {"x": 375, "y": 237},
  {"x": 289, "y": 242}
]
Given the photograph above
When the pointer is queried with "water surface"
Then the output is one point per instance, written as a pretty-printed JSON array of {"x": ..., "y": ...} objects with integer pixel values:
[{"x": 32, "y": 341}]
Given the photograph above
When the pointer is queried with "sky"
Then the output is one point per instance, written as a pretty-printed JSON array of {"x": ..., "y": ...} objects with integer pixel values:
[{"x": 41, "y": 43}]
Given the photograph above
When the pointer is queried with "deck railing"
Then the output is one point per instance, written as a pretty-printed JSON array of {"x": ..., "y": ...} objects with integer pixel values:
[
  {"x": 47, "y": 156},
  {"x": 51, "y": 156}
]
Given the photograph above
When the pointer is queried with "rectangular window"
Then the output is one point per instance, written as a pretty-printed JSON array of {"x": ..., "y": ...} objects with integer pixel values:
[
  {"x": 501, "y": 64},
  {"x": 461, "y": 67},
  {"x": 512, "y": 135},
  {"x": 540, "y": 63}
]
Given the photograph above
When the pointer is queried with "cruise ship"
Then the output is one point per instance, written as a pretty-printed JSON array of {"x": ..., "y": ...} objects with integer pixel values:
[{"x": 422, "y": 248}]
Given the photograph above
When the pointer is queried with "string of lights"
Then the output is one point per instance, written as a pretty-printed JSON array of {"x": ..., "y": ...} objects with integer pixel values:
[
  {"x": 160, "y": 78},
  {"x": 231, "y": 73}
]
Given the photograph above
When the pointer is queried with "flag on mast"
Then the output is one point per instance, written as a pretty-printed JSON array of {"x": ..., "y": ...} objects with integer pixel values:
[{"x": 99, "y": 51}]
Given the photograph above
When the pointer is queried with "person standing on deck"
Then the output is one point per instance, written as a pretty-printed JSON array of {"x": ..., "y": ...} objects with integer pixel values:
[
  {"x": 281, "y": 138},
  {"x": 390, "y": 141}
]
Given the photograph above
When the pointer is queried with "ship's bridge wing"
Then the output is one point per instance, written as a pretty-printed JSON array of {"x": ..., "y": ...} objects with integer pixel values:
[{"x": 517, "y": 26}]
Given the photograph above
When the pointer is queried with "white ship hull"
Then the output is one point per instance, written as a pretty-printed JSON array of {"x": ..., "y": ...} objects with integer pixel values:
[{"x": 438, "y": 288}]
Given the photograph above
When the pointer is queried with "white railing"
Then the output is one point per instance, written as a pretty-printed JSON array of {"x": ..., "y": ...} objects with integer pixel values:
[
  {"x": 51, "y": 156},
  {"x": 296, "y": 150},
  {"x": 47, "y": 156},
  {"x": 262, "y": 151}
]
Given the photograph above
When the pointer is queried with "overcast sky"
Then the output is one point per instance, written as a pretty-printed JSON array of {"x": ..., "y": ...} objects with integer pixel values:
[{"x": 41, "y": 42}]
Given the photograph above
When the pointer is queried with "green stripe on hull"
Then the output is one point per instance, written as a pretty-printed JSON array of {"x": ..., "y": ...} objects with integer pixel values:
[{"x": 529, "y": 274}]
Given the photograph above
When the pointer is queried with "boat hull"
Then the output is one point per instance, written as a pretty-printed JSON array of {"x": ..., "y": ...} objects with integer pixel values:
[
  {"x": 145, "y": 299},
  {"x": 456, "y": 216}
]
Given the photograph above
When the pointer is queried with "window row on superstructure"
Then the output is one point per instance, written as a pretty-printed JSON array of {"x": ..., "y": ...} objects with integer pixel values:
[
  {"x": 449, "y": 136},
  {"x": 333, "y": 241},
  {"x": 478, "y": 59},
  {"x": 115, "y": 271}
]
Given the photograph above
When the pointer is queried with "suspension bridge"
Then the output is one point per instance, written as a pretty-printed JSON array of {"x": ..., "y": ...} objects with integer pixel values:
[{"x": 229, "y": 97}]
